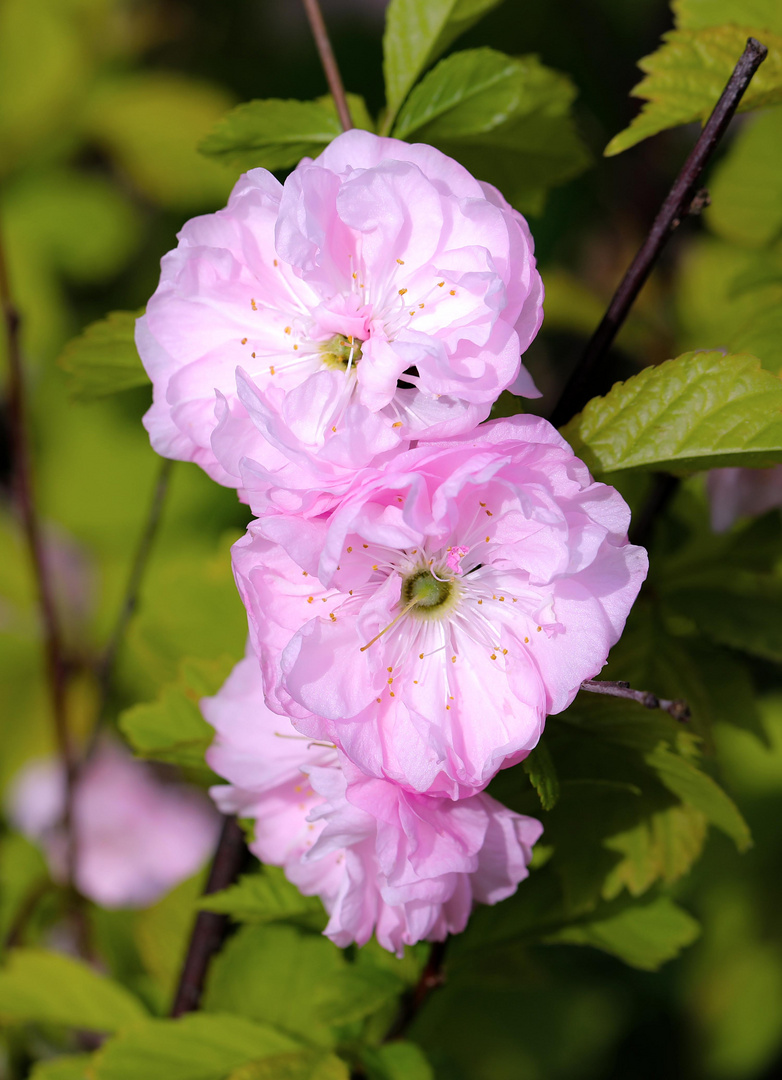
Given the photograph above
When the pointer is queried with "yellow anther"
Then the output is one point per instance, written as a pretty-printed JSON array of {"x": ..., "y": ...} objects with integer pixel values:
[
  {"x": 402, "y": 292},
  {"x": 244, "y": 341}
]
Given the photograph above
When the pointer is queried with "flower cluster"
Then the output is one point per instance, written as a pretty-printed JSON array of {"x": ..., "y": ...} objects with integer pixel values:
[{"x": 422, "y": 588}]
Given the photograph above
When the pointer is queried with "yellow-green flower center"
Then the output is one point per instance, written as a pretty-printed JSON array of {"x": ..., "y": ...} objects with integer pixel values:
[
  {"x": 428, "y": 596},
  {"x": 341, "y": 352}
]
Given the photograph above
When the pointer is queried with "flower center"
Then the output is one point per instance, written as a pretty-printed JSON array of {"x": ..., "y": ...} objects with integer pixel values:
[
  {"x": 341, "y": 352},
  {"x": 428, "y": 596}
]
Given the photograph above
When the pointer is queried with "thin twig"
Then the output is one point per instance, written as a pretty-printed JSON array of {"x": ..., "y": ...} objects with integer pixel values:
[
  {"x": 210, "y": 928},
  {"x": 22, "y": 481},
  {"x": 329, "y": 62},
  {"x": 431, "y": 978},
  {"x": 677, "y": 708},
  {"x": 682, "y": 199},
  {"x": 105, "y": 668}
]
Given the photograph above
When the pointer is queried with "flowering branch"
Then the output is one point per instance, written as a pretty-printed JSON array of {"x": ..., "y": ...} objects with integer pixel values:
[
  {"x": 22, "y": 482},
  {"x": 682, "y": 199},
  {"x": 677, "y": 708},
  {"x": 329, "y": 62},
  {"x": 210, "y": 928}
]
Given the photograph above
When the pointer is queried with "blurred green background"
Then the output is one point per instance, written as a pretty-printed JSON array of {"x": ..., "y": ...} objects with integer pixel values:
[{"x": 101, "y": 105}]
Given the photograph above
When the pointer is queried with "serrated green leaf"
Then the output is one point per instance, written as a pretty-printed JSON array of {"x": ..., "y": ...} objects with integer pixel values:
[
  {"x": 195, "y": 1047},
  {"x": 51, "y": 988},
  {"x": 698, "y": 790},
  {"x": 506, "y": 119},
  {"x": 278, "y": 974},
  {"x": 277, "y": 134},
  {"x": 746, "y": 187},
  {"x": 662, "y": 847},
  {"x": 72, "y": 1067},
  {"x": 306, "y": 1065},
  {"x": 266, "y": 897},
  {"x": 700, "y": 411},
  {"x": 103, "y": 359},
  {"x": 172, "y": 728},
  {"x": 397, "y": 1061},
  {"x": 698, "y": 14},
  {"x": 415, "y": 35},
  {"x": 643, "y": 935},
  {"x": 686, "y": 76},
  {"x": 539, "y": 767}
]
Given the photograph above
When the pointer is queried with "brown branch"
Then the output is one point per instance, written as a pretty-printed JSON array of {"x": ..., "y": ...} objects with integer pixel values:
[
  {"x": 682, "y": 199},
  {"x": 329, "y": 62},
  {"x": 22, "y": 486},
  {"x": 677, "y": 708},
  {"x": 432, "y": 977},
  {"x": 210, "y": 928}
]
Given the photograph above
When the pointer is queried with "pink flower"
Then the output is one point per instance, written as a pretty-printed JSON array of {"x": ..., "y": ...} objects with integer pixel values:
[
  {"x": 408, "y": 867},
  {"x": 736, "y": 493},
  {"x": 370, "y": 638},
  {"x": 136, "y": 837},
  {"x": 381, "y": 295}
]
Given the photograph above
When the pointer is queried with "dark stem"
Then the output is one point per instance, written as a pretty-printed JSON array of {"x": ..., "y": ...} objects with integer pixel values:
[
  {"x": 682, "y": 199},
  {"x": 431, "y": 978},
  {"x": 678, "y": 709},
  {"x": 22, "y": 481},
  {"x": 105, "y": 667},
  {"x": 210, "y": 928},
  {"x": 329, "y": 62}
]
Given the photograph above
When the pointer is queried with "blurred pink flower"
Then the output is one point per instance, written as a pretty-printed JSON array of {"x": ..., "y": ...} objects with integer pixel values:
[
  {"x": 408, "y": 867},
  {"x": 737, "y": 493},
  {"x": 424, "y": 670},
  {"x": 136, "y": 837},
  {"x": 381, "y": 295}
]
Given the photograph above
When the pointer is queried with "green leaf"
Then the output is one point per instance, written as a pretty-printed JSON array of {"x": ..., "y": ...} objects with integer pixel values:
[
  {"x": 172, "y": 728},
  {"x": 662, "y": 847},
  {"x": 721, "y": 299},
  {"x": 540, "y": 768},
  {"x": 746, "y": 187},
  {"x": 703, "y": 410},
  {"x": 397, "y": 1061},
  {"x": 743, "y": 611},
  {"x": 306, "y": 1065},
  {"x": 151, "y": 122},
  {"x": 195, "y": 1047},
  {"x": 103, "y": 359},
  {"x": 698, "y": 14},
  {"x": 643, "y": 935},
  {"x": 506, "y": 119},
  {"x": 162, "y": 933},
  {"x": 699, "y": 791},
  {"x": 278, "y": 974},
  {"x": 72, "y": 1067},
  {"x": 23, "y": 873},
  {"x": 686, "y": 76},
  {"x": 416, "y": 34},
  {"x": 267, "y": 897},
  {"x": 277, "y": 134},
  {"x": 355, "y": 993},
  {"x": 50, "y": 988}
]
